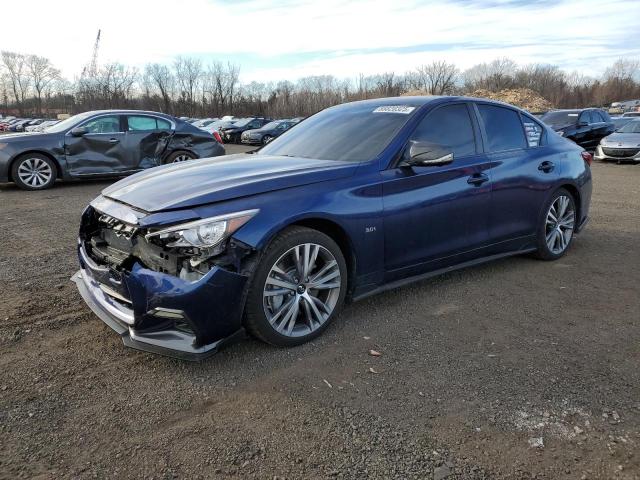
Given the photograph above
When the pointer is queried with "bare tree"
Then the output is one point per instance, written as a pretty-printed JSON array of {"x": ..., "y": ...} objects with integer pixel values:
[
  {"x": 494, "y": 76},
  {"x": 437, "y": 78},
  {"x": 188, "y": 73},
  {"x": 115, "y": 84},
  {"x": 547, "y": 80},
  {"x": 42, "y": 74},
  {"x": 160, "y": 77},
  {"x": 15, "y": 65}
]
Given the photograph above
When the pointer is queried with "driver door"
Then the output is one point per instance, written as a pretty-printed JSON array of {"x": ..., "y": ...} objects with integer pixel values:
[
  {"x": 99, "y": 150},
  {"x": 436, "y": 216}
]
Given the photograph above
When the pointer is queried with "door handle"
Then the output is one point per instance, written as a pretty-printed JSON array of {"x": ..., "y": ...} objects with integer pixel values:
[
  {"x": 546, "y": 167},
  {"x": 113, "y": 140},
  {"x": 477, "y": 179}
]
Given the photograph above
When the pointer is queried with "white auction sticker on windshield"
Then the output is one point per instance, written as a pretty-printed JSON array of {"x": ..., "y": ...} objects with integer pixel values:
[{"x": 395, "y": 109}]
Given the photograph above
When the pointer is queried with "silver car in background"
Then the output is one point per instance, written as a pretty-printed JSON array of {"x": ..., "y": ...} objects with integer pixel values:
[{"x": 623, "y": 145}]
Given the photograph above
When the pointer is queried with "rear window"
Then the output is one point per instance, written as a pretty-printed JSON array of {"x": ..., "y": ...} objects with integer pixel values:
[
  {"x": 144, "y": 123},
  {"x": 560, "y": 118},
  {"x": 351, "y": 133},
  {"x": 533, "y": 131},
  {"x": 503, "y": 128}
]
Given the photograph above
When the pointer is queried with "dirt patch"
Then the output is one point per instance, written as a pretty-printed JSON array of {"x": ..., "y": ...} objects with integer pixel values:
[{"x": 475, "y": 367}]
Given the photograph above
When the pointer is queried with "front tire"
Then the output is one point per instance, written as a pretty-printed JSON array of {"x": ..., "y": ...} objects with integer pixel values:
[
  {"x": 34, "y": 171},
  {"x": 266, "y": 139},
  {"x": 555, "y": 232},
  {"x": 297, "y": 289}
]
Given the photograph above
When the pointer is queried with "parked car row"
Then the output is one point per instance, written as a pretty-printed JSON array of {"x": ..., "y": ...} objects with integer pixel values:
[
  {"x": 610, "y": 138},
  {"x": 13, "y": 124},
  {"x": 247, "y": 130}
]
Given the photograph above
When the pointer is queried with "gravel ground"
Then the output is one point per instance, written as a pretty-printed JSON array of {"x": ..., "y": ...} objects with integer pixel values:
[{"x": 516, "y": 369}]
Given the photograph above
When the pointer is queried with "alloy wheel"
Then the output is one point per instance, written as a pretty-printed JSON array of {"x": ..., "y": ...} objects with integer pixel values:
[
  {"x": 183, "y": 157},
  {"x": 560, "y": 222},
  {"x": 301, "y": 290},
  {"x": 35, "y": 172}
]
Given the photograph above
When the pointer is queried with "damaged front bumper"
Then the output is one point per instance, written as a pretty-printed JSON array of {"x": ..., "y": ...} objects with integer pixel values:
[{"x": 161, "y": 313}]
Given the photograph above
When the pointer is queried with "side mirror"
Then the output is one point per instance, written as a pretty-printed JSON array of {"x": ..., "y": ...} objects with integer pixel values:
[
  {"x": 426, "y": 154},
  {"x": 79, "y": 131}
]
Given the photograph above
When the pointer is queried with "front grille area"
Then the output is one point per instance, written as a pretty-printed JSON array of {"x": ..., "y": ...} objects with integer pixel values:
[
  {"x": 120, "y": 228},
  {"x": 620, "y": 152}
]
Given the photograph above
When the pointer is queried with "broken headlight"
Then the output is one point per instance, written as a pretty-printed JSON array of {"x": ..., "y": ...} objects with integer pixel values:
[{"x": 205, "y": 233}]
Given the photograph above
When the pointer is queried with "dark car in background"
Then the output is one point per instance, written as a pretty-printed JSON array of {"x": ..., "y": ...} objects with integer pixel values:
[
  {"x": 233, "y": 133},
  {"x": 266, "y": 133},
  {"x": 98, "y": 144},
  {"x": 586, "y": 126},
  {"x": 357, "y": 199}
]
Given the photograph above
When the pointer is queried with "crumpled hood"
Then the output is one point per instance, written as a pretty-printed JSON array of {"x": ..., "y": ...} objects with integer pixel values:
[
  {"x": 628, "y": 140},
  {"x": 198, "y": 182}
]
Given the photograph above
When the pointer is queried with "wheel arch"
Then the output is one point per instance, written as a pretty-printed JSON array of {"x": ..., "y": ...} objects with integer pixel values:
[
  {"x": 178, "y": 149},
  {"x": 575, "y": 193},
  {"x": 18, "y": 156},
  {"x": 338, "y": 234}
]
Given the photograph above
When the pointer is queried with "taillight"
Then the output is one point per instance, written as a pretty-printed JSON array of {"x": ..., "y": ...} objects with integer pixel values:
[
  {"x": 217, "y": 136},
  {"x": 587, "y": 157}
]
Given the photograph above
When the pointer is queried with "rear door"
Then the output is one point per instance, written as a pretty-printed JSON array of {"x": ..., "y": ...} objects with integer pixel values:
[
  {"x": 522, "y": 169},
  {"x": 146, "y": 140},
  {"x": 601, "y": 127},
  {"x": 100, "y": 150},
  {"x": 433, "y": 215}
]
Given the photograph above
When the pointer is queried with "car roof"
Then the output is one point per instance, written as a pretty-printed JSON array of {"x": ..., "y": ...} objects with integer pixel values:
[
  {"x": 419, "y": 101},
  {"x": 131, "y": 112},
  {"x": 575, "y": 109}
]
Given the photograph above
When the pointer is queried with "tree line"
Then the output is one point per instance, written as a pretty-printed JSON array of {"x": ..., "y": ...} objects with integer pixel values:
[{"x": 32, "y": 85}]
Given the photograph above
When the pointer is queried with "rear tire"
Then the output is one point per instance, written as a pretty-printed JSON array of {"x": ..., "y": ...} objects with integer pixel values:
[
  {"x": 179, "y": 156},
  {"x": 555, "y": 232},
  {"x": 289, "y": 301},
  {"x": 34, "y": 171}
]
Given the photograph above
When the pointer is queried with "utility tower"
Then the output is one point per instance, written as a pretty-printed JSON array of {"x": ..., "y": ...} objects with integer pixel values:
[
  {"x": 91, "y": 70},
  {"x": 93, "y": 66}
]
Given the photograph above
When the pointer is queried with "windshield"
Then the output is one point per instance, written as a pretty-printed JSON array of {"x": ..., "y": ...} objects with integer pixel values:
[
  {"x": 242, "y": 122},
  {"x": 352, "y": 133},
  {"x": 68, "y": 123},
  {"x": 565, "y": 117},
  {"x": 270, "y": 125},
  {"x": 631, "y": 127}
]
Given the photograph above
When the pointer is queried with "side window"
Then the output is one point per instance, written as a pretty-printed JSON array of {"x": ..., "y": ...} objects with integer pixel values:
[
  {"x": 164, "y": 124},
  {"x": 448, "y": 126},
  {"x": 598, "y": 117},
  {"x": 503, "y": 128},
  {"x": 103, "y": 125},
  {"x": 533, "y": 131},
  {"x": 141, "y": 123},
  {"x": 585, "y": 117}
]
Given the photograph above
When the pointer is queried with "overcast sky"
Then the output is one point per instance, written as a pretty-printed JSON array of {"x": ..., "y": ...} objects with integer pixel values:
[{"x": 288, "y": 39}]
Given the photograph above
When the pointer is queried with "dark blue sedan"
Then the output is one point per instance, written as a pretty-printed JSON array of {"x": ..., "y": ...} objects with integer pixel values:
[{"x": 357, "y": 199}]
